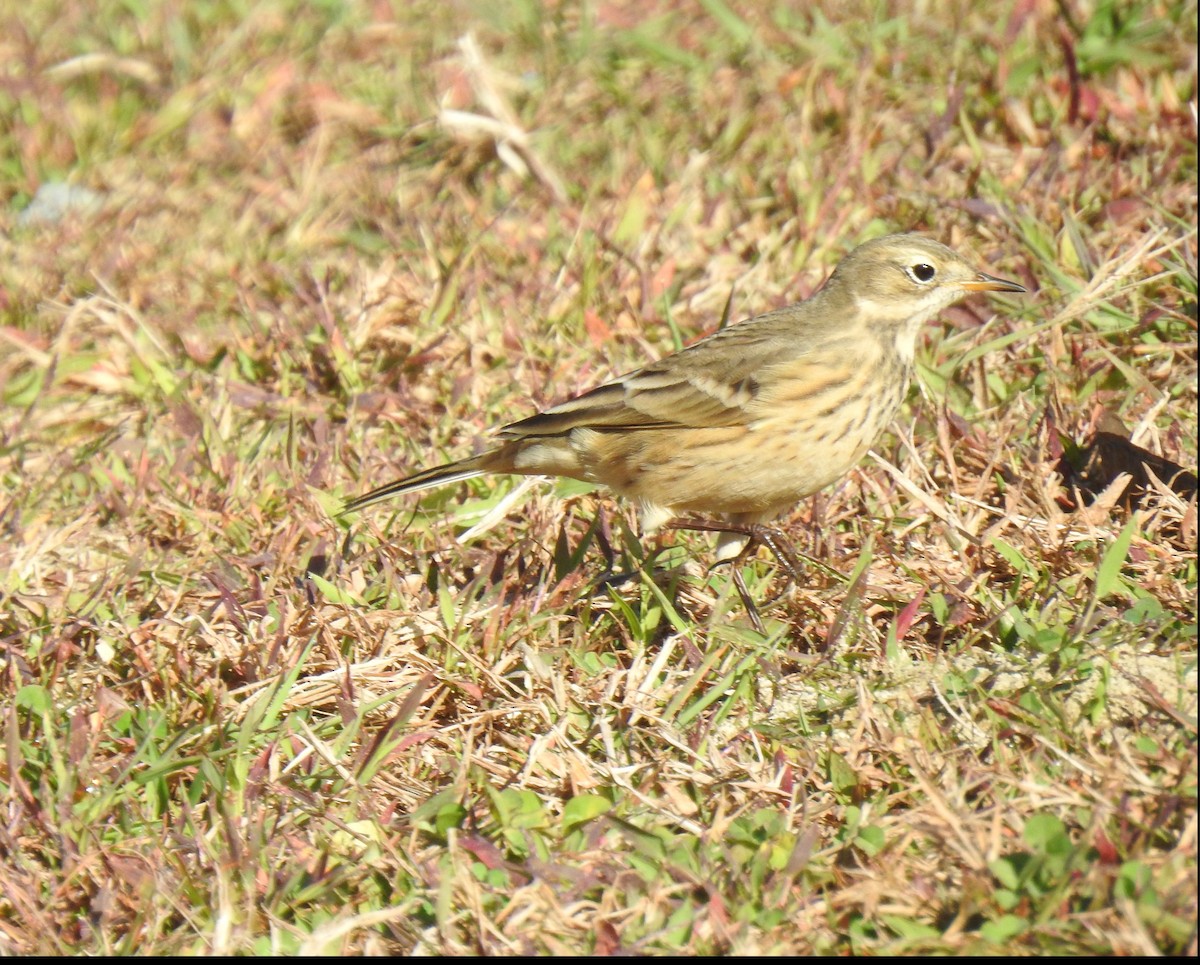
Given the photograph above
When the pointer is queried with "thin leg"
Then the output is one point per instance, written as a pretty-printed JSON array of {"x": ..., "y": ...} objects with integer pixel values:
[
  {"x": 747, "y": 601},
  {"x": 757, "y": 534}
]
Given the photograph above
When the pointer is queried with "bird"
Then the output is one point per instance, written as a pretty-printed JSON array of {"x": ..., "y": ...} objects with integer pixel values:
[{"x": 732, "y": 431}]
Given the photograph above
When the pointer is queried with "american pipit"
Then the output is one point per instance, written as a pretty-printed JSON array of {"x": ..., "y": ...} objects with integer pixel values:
[{"x": 748, "y": 421}]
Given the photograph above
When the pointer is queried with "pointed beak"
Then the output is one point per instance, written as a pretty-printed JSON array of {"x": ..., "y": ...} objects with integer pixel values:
[{"x": 990, "y": 283}]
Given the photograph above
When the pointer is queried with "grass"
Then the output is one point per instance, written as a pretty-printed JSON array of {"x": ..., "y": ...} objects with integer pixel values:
[{"x": 334, "y": 242}]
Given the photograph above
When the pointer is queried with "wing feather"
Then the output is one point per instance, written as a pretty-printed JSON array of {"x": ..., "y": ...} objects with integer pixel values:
[{"x": 711, "y": 383}]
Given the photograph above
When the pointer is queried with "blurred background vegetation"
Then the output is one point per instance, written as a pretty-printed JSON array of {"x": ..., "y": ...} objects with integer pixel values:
[{"x": 257, "y": 256}]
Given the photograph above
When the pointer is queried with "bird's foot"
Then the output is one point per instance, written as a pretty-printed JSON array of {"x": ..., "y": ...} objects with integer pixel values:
[{"x": 757, "y": 534}]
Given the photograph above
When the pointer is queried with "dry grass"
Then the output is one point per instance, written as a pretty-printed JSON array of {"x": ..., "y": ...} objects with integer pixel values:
[{"x": 332, "y": 243}]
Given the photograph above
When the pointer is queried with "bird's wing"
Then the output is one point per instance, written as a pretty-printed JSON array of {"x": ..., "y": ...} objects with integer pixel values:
[{"x": 711, "y": 383}]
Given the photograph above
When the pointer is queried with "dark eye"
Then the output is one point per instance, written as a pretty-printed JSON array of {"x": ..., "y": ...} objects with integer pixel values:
[{"x": 921, "y": 272}]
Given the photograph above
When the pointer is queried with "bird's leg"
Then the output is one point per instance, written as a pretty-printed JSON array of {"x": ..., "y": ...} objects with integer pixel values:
[
  {"x": 747, "y": 601},
  {"x": 777, "y": 542},
  {"x": 756, "y": 534}
]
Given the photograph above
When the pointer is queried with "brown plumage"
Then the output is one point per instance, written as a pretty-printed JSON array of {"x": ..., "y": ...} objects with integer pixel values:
[{"x": 748, "y": 421}]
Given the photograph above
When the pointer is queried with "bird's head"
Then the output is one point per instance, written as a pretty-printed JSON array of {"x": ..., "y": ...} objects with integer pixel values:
[{"x": 898, "y": 282}]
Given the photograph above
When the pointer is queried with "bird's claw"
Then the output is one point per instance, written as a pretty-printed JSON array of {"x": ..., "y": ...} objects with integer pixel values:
[{"x": 756, "y": 534}]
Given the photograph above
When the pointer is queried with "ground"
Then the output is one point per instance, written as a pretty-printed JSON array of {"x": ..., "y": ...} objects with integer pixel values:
[{"x": 258, "y": 257}]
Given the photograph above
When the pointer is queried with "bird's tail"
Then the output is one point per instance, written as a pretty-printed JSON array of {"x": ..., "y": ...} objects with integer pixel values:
[{"x": 439, "y": 475}]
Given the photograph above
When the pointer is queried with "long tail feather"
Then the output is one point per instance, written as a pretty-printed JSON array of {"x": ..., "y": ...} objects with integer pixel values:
[{"x": 438, "y": 476}]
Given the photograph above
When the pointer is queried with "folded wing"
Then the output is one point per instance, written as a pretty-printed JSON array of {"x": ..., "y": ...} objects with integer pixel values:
[{"x": 705, "y": 385}]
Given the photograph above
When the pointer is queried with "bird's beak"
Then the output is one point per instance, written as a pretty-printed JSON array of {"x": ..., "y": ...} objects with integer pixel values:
[{"x": 990, "y": 283}]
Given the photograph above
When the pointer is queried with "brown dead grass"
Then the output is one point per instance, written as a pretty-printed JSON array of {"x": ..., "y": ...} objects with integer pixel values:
[{"x": 337, "y": 246}]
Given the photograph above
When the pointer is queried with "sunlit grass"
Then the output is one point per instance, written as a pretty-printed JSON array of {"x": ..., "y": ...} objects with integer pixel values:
[{"x": 337, "y": 242}]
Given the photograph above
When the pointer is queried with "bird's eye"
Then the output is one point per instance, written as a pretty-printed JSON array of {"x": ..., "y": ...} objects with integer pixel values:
[{"x": 921, "y": 273}]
